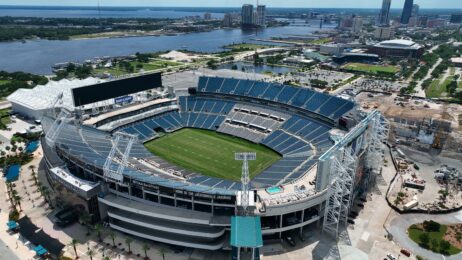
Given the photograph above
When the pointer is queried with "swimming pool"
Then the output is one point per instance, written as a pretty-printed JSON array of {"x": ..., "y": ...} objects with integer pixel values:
[
  {"x": 274, "y": 190},
  {"x": 32, "y": 146}
]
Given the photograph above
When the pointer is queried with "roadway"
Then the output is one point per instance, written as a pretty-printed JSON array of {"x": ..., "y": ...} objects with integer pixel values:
[{"x": 399, "y": 225}]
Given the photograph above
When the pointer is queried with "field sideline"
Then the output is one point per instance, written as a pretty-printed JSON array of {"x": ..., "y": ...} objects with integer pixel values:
[{"x": 211, "y": 153}]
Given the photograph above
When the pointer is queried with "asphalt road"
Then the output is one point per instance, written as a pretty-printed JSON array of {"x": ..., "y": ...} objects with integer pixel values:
[{"x": 400, "y": 224}]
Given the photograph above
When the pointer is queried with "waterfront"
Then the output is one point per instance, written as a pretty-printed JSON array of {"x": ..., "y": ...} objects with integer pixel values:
[
  {"x": 250, "y": 67},
  {"x": 105, "y": 12},
  {"x": 37, "y": 56}
]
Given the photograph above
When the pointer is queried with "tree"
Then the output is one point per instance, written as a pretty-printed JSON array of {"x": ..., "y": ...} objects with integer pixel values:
[
  {"x": 431, "y": 226},
  {"x": 98, "y": 228},
  {"x": 74, "y": 243},
  {"x": 17, "y": 200},
  {"x": 91, "y": 254},
  {"x": 161, "y": 251},
  {"x": 145, "y": 248},
  {"x": 444, "y": 246},
  {"x": 128, "y": 241},
  {"x": 113, "y": 236},
  {"x": 424, "y": 239}
]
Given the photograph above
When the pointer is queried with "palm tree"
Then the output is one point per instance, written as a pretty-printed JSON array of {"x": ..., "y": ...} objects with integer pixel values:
[
  {"x": 91, "y": 254},
  {"x": 145, "y": 248},
  {"x": 98, "y": 228},
  {"x": 128, "y": 241},
  {"x": 18, "y": 200},
  {"x": 161, "y": 251},
  {"x": 32, "y": 168},
  {"x": 74, "y": 243},
  {"x": 113, "y": 236}
]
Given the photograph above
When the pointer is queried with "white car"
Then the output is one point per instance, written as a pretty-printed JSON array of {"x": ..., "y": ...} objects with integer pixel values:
[{"x": 391, "y": 257}]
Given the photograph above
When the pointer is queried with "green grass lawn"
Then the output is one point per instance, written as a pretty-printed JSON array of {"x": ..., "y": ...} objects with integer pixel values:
[
  {"x": 414, "y": 233},
  {"x": 4, "y": 118},
  {"x": 151, "y": 65},
  {"x": 245, "y": 47},
  {"x": 436, "y": 89},
  {"x": 321, "y": 41},
  {"x": 371, "y": 68},
  {"x": 3, "y": 81},
  {"x": 211, "y": 153}
]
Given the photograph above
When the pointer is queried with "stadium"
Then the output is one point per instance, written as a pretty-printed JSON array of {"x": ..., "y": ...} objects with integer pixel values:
[{"x": 171, "y": 168}]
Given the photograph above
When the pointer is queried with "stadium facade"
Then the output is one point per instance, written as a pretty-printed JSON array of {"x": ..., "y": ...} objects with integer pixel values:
[
  {"x": 331, "y": 152},
  {"x": 398, "y": 48}
]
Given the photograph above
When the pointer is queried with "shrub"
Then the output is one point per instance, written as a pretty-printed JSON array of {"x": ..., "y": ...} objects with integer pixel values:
[
  {"x": 431, "y": 226},
  {"x": 424, "y": 239},
  {"x": 14, "y": 215}
]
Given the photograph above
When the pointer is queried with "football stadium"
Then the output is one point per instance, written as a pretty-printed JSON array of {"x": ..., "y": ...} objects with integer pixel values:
[{"x": 223, "y": 164}]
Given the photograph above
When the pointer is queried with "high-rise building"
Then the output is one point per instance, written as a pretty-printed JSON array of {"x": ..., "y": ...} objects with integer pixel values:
[
  {"x": 261, "y": 15},
  {"x": 415, "y": 10},
  {"x": 413, "y": 21},
  {"x": 384, "y": 16},
  {"x": 207, "y": 16},
  {"x": 383, "y": 33},
  {"x": 407, "y": 11},
  {"x": 247, "y": 15},
  {"x": 456, "y": 18},
  {"x": 228, "y": 20},
  {"x": 423, "y": 20},
  {"x": 357, "y": 25}
]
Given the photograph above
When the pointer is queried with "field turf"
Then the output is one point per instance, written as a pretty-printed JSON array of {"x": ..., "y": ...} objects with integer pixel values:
[
  {"x": 371, "y": 68},
  {"x": 211, "y": 153}
]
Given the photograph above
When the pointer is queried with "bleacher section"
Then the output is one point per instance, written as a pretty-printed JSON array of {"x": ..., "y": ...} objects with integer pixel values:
[
  {"x": 316, "y": 102},
  {"x": 252, "y": 123},
  {"x": 145, "y": 129},
  {"x": 203, "y": 113}
]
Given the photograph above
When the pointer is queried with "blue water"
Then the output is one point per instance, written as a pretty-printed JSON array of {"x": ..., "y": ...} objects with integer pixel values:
[
  {"x": 37, "y": 56},
  {"x": 273, "y": 190},
  {"x": 13, "y": 173},
  {"x": 32, "y": 146}
]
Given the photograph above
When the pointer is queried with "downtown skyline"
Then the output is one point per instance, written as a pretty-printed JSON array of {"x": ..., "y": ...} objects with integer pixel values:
[{"x": 396, "y": 4}]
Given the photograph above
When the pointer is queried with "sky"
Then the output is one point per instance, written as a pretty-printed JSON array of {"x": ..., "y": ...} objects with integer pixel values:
[{"x": 235, "y": 3}]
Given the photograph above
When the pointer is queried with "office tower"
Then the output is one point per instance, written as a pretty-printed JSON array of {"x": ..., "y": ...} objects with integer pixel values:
[
  {"x": 383, "y": 33},
  {"x": 415, "y": 10},
  {"x": 207, "y": 16},
  {"x": 261, "y": 15},
  {"x": 247, "y": 15},
  {"x": 357, "y": 25},
  {"x": 384, "y": 16},
  {"x": 407, "y": 11},
  {"x": 228, "y": 20}
]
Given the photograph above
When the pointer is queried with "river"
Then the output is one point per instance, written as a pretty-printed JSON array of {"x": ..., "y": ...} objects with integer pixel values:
[{"x": 37, "y": 56}]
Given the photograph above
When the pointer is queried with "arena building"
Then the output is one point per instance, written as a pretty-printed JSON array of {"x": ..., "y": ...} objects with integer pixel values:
[
  {"x": 328, "y": 154},
  {"x": 398, "y": 48}
]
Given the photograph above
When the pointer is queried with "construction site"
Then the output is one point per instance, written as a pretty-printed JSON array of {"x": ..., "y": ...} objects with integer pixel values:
[{"x": 426, "y": 141}]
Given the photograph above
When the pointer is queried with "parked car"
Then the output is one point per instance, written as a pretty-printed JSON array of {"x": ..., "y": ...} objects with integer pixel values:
[
  {"x": 405, "y": 252},
  {"x": 391, "y": 257}
]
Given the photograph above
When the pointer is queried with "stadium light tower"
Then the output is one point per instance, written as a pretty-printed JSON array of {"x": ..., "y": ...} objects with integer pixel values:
[{"x": 245, "y": 179}]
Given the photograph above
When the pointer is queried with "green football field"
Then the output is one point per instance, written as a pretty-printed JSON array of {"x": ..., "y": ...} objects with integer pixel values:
[
  {"x": 371, "y": 68},
  {"x": 211, "y": 153}
]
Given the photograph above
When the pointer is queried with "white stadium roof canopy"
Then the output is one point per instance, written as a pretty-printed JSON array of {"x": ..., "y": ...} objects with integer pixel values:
[{"x": 43, "y": 96}]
